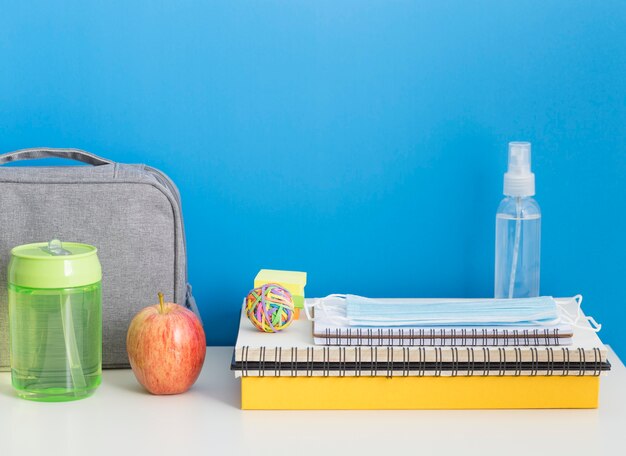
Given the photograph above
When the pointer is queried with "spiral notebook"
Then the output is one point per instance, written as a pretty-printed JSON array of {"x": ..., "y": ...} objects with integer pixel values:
[
  {"x": 326, "y": 333},
  {"x": 412, "y": 393},
  {"x": 292, "y": 352}
]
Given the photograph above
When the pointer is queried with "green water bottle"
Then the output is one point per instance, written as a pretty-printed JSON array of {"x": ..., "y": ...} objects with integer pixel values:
[{"x": 55, "y": 320}]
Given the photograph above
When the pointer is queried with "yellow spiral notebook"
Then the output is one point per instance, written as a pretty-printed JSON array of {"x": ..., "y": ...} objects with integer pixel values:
[{"x": 414, "y": 393}]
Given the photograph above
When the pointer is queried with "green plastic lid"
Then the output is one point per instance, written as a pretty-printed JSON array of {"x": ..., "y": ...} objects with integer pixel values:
[{"x": 54, "y": 265}]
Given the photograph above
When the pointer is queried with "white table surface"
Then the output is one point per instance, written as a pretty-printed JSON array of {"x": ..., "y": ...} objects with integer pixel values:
[{"x": 122, "y": 419}]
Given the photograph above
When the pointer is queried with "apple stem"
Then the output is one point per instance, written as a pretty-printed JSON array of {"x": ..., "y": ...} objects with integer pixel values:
[{"x": 161, "y": 302}]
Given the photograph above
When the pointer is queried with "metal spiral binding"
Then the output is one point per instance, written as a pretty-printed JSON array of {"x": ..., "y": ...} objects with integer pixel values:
[
  {"x": 566, "y": 361},
  {"x": 501, "y": 361},
  {"x": 438, "y": 362},
  {"x": 526, "y": 336},
  {"x": 550, "y": 368},
  {"x": 244, "y": 359},
  {"x": 420, "y": 362},
  {"x": 415, "y": 361},
  {"x": 518, "y": 361},
  {"x": 471, "y": 365},
  {"x": 406, "y": 360},
  {"x": 374, "y": 352},
  {"x": 534, "y": 361},
  {"x": 309, "y": 361},
  {"x": 581, "y": 356},
  {"x": 452, "y": 337},
  {"x": 342, "y": 362},
  {"x": 486, "y": 361},
  {"x": 597, "y": 358},
  {"x": 389, "y": 362},
  {"x": 358, "y": 366},
  {"x": 294, "y": 362},
  {"x": 262, "y": 362},
  {"x": 326, "y": 361},
  {"x": 278, "y": 351},
  {"x": 455, "y": 362}
]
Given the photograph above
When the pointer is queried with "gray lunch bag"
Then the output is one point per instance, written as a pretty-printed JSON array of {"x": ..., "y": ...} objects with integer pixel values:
[{"x": 131, "y": 213}]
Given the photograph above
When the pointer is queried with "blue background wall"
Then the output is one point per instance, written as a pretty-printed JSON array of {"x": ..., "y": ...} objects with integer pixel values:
[{"x": 361, "y": 141}]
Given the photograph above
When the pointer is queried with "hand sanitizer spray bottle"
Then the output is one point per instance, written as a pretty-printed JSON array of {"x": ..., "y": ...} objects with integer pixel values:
[{"x": 518, "y": 229}]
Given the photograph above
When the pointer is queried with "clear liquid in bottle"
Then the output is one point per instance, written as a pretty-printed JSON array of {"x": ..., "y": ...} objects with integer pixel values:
[
  {"x": 56, "y": 342},
  {"x": 518, "y": 248}
]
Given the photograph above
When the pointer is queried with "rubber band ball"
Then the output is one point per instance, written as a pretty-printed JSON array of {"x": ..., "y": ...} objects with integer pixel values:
[{"x": 270, "y": 308}]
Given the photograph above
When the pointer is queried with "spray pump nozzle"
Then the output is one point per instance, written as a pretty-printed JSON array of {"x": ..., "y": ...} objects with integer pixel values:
[{"x": 519, "y": 180}]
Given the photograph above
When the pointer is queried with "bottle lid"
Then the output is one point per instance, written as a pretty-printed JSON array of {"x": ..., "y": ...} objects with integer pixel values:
[
  {"x": 54, "y": 264},
  {"x": 519, "y": 180}
]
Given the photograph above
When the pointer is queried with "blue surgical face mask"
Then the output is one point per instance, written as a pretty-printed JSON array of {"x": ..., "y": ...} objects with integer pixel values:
[{"x": 351, "y": 310}]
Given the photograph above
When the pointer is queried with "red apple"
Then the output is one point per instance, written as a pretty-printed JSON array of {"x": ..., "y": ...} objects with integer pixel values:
[{"x": 166, "y": 347}]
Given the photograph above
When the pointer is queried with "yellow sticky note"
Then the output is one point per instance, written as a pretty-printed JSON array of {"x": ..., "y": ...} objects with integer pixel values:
[{"x": 293, "y": 281}]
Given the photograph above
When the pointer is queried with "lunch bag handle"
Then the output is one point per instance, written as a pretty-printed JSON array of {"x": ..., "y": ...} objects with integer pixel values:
[{"x": 47, "y": 152}]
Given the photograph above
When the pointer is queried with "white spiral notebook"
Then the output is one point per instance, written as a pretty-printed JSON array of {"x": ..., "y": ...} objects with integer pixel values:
[
  {"x": 292, "y": 352},
  {"x": 477, "y": 336}
]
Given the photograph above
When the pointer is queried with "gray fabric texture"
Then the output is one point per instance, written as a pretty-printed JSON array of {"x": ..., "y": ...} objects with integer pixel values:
[{"x": 131, "y": 213}]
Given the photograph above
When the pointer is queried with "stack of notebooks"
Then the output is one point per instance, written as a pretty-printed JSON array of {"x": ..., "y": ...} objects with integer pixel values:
[{"x": 320, "y": 365}]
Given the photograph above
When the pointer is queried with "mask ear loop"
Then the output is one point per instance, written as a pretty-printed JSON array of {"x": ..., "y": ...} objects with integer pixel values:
[
  {"x": 309, "y": 306},
  {"x": 319, "y": 304},
  {"x": 575, "y": 321},
  {"x": 595, "y": 326}
]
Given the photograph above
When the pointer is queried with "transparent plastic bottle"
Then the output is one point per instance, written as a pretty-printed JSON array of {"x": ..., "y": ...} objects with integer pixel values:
[
  {"x": 56, "y": 339},
  {"x": 518, "y": 230},
  {"x": 55, "y": 320}
]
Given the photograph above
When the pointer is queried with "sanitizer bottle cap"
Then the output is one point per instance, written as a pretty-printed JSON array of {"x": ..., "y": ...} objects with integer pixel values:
[{"x": 519, "y": 180}]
